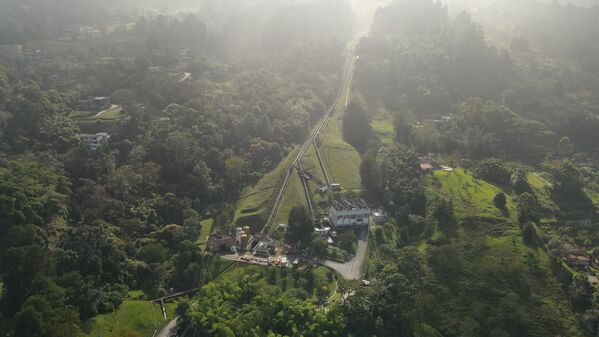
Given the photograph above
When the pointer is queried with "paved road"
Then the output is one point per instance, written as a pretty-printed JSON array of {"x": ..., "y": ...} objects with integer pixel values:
[
  {"x": 352, "y": 269},
  {"x": 166, "y": 331},
  {"x": 112, "y": 107}
]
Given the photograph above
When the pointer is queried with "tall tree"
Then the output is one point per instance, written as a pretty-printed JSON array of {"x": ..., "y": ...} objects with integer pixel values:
[
  {"x": 299, "y": 228},
  {"x": 356, "y": 125}
]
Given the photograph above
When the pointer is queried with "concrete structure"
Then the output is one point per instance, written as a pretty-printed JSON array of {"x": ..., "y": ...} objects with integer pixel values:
[
  {"x": 349, "y": 213},
  {"x": 322, "y": 231},
  {"x": 93, "y": 141},
  {"x": 217, "y": 243},
  {"x": 265, "y": 247},
  {"x": 378, "y": 217},
  {"x": 94, "y": 104}
]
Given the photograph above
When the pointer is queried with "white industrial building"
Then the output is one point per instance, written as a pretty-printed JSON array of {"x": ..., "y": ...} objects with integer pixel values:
[{"x": 349, "y": 213}]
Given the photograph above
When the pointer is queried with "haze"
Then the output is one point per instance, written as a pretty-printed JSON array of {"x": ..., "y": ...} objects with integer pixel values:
[{"x": 286, "y": 168}]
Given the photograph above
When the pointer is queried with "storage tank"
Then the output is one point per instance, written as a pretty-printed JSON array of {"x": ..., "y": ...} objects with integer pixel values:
[{"x": 244, "y": 240}]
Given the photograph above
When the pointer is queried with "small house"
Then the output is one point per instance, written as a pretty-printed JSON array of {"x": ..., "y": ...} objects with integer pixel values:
[{"x": 578, "y": 260}]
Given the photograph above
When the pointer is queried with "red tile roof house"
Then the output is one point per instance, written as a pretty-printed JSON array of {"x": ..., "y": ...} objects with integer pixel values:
[{"x": 578, "y": 260}]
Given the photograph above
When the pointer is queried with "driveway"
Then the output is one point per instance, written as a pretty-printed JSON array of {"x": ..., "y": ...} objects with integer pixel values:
[{"x": 352, "y": 269}]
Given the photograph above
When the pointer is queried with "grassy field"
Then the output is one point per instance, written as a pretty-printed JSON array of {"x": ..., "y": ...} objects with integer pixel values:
[
  {"x": 541, "y": 190},
  {"x": 470, "y": 196},
  {"x": 133, "y": 315},
  {"x": 80, "y": 114},
  {"x": 143, "y": 316},
  {"x": 309, "y": 279},
  {"x": 342, "y": 161},
  {"x": 88, "y": 116},
  {"x": 112, "y": 114},
  {"x": 204, "y": 232},
  {"x": 255, "y": 201},
  {"x": 491, "y": 262},
  {"x": 383, "y": 129},
  {"x": 295, "y": 192},
  {"x": 294, "y": 196}
]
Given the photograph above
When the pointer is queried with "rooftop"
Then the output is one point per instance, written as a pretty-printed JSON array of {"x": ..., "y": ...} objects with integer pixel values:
[{"x": 348, "y": 205}]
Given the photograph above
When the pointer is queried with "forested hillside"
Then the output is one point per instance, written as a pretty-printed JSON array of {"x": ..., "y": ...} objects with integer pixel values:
[
  {"x": 271, "y": 168},
  {"x": 468, "y": 234},
  {"x": 196, "y": 121}
]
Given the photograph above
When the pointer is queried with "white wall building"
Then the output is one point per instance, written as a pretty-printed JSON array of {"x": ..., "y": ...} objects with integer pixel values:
[
  {"x": 93, "y": 140},
  {"x": 349, "y": 213}
]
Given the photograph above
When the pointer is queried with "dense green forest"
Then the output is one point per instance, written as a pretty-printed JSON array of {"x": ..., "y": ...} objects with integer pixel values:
[
  {"x": 82, "y": 228},
  {"x": 474, "y": 131}
]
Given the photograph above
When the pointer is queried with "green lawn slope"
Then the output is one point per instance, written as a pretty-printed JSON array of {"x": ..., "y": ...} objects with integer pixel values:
[
  {"x": 471, "y": 197},
  {"x": 136, "y": 315},
  {"x": 255, "y": 202},
  {"x": 482, "y": 278}
]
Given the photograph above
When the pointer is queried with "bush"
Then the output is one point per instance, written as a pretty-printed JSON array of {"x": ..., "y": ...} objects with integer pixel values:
[
  {"x": 500, "y": 201},
  {"x": 530, "y": 236},
  {"x": 493, "y": 170}
]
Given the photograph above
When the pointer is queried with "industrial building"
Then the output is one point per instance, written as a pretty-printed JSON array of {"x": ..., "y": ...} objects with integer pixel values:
[{"x": 349, "y": 213}]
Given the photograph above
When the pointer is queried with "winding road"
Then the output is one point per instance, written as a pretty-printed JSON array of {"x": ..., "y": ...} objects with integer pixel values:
[{"x": 352, "y": 269}]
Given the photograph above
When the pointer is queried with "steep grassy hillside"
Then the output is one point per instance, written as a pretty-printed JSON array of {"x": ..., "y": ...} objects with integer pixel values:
[
  {"x": 470, "y": 196},
  {"x": 255, "y": 201},
  {"x": 483, "y": 277}
]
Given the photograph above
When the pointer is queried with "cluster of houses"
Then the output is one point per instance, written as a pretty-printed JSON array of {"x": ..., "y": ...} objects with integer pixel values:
[
  {"x": 574, "y": 256},
  {"x": 578, "y": 257}
]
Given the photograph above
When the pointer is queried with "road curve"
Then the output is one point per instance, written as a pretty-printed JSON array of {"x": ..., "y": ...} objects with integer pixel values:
[{"x": 352, "y": 269}]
